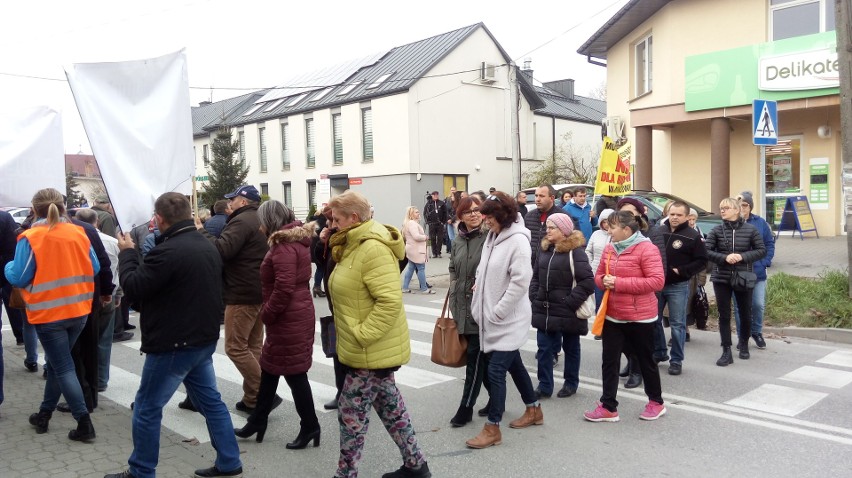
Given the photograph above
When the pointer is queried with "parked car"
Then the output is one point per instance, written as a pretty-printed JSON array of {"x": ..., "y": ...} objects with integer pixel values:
[
  {"x": 655, "y": 201},
  {"x": 18, "y": 213},
  {"x": 560, "y": 189}
]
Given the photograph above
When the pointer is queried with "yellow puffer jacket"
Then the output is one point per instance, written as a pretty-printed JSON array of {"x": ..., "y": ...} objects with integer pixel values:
[{"x": 372, "y": 331}]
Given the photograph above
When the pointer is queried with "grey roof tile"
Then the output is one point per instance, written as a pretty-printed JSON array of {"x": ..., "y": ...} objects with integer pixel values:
[{"x": 583, "y": 109}]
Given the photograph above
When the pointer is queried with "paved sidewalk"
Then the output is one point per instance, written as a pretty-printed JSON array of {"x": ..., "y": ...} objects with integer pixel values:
[{"x": 26, "y": 454}]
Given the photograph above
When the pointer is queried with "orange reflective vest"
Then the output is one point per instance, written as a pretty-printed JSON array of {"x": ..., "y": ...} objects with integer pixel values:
[{"x": 64, "y": 283}]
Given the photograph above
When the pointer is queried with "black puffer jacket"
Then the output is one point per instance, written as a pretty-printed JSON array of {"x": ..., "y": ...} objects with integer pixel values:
[
  {"x": 177, "y": 287},
  {"x": 555, "y": 302},
  {"x": 729, "y": 237}
]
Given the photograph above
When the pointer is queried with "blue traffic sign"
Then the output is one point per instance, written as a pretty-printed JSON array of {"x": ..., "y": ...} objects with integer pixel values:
[{"x": 764, "y": 122}]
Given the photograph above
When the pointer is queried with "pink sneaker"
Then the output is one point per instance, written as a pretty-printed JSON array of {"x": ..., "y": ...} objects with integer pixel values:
[
  {"x": 600, "y": 414},
  {"x": 653, "y": 411}
]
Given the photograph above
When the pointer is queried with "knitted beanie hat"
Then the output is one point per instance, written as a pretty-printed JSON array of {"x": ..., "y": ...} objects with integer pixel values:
[{"x": 563, "y": 222}]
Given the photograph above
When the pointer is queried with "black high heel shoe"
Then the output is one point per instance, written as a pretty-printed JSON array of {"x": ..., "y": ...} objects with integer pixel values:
[
  {"x": 249, "y": 430},
  {"x": 303, "y": 439},
  {"x": 318, "y": 292}
]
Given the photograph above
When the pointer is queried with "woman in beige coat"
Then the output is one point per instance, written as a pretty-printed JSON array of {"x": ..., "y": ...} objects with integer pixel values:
[{"x": 415, "y": 250}]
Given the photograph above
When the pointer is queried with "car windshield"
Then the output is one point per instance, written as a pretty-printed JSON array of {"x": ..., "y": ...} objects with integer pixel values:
[{"x": 660, "y": 199}]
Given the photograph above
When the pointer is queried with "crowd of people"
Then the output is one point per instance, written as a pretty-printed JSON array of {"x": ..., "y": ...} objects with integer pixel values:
[{"x": 67, "y": 282}]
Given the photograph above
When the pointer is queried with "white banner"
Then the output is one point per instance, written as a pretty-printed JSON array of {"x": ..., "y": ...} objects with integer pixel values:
[
  {"x": 137, "y": 117},
  {"x": 31, "y": 154}
]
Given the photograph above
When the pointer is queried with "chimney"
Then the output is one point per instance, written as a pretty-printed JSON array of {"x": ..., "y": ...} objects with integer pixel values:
[
  {"x": 527, "y": 71},
  {"x": 563, "y": 87},
  {"x": 204, "y": 103}
]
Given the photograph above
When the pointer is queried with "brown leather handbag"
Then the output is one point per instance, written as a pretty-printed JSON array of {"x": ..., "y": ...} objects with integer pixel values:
[{"x": 449, "y": 348}]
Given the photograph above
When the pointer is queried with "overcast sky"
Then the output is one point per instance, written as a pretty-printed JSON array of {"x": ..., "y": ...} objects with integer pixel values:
[{"x": 258, "y": 44}]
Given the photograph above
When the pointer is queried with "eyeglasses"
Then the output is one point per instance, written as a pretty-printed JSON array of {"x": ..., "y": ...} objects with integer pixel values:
[
  {"x": 745, "y": 204},
  {"x": 470, "y": 212},
  {"x": 725, "y": 208}
]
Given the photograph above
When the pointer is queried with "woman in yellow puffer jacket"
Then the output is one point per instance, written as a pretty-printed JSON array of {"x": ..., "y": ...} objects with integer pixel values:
[{"x": 372, "y": 333}]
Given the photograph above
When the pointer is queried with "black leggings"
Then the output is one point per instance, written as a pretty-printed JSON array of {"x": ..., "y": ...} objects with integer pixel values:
[
  {"x": 723, "y": 293},
  {"x": 302, "y": 398}
]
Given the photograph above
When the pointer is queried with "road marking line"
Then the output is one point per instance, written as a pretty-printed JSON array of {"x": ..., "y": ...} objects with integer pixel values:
[
  {"x": 704, "y": 404},
  {"x": 778, "y": 399},
  {"x": 824, "y": 377},
  {"x": 842, "y": 358}
]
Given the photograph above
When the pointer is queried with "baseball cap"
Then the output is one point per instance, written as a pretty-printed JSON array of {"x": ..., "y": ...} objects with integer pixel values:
[{"x": 247, "y": 191}]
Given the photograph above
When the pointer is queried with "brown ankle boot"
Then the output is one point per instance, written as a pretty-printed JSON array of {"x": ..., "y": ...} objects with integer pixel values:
[
  {"x": 490, "y": 435},
  {"x": 531, "y": 416}
]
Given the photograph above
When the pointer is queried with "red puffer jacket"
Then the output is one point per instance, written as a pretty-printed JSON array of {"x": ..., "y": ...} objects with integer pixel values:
[
  {"x": 288, "y": 309},
  {"x": 638, "y": 272}
]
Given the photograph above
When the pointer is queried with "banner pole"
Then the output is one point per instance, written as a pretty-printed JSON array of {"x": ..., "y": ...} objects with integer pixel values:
[{"x": 194, "y": 197}]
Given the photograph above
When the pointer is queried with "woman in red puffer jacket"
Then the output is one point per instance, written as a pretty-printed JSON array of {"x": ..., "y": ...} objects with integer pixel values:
[
  {"x": 635, "y": 273},
  {"x": 288, "y": 314}
]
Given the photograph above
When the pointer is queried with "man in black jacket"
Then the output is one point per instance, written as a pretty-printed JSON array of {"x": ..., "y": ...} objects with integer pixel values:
[
  {"x": 435, "y": 213},
  {"x": 534, "y": 220},
  {"x": 179, "y": 334},
  {"x": 684, "y": 256}
]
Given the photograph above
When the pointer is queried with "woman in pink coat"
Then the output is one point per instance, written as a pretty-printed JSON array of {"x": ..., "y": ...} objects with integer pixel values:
[
  {"x": 288, "y": 314},
  {"x": 415, "y": 250},
  {"x": 635, "y": 274}
]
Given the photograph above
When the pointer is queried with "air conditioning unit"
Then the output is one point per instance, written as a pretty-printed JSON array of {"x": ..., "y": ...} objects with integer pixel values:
[
  {"x": 487, "y": 73},
  {"x": 613, "y": 126}
]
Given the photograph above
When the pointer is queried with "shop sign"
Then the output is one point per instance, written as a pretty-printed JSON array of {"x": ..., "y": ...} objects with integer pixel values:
[
  {"x": 355, "y": 181},
  {"x": 807, "y": 70}
]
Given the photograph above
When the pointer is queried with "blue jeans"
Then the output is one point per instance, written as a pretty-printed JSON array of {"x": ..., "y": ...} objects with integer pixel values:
[
  {"x": 549, "y": 344},
  {"x": 319, "y": 273},
  {"x": 498, "y": 364},
  {"x": 18, "y": 319},
  {"x": 758, "y": 306},
  {"x": 675, "y": 295},
  {"x": 451, "y": 235},
  {"x": 161, "y": 375},
  {"x": 421, "y": 275},
  {"x": 105, "y": 330},
  {"x": 58, "y": 338}
]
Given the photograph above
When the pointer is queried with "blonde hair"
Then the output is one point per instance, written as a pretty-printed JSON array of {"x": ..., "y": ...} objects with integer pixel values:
[
  {"x": 409, "y": 215},
  {"x": 730, "y": 202},
  {"x": 352, "y": 202},
  {"x": 48, "y": 203}
]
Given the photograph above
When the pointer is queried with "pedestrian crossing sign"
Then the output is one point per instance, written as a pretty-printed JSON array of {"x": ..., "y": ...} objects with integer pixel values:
[{"x": 764, "y": 121}]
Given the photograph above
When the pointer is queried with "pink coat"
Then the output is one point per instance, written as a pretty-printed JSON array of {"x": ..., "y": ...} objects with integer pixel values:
[
  {"x": 415, "y": 242},
  {"x": 639, "y": 274}
]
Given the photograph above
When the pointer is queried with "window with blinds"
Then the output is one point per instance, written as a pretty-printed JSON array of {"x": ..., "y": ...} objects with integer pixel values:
[
  {"x": 242, "y": 138},
  {"x": 337, "y": 135},
  {"x": 205, "y": 151},
  {"x": 310, "y": 154},
  {"x": 261, "y": 137},
  {"x": 288, "y": 193},
  {"x": 367, "y": 134},
  {"x": 285, "y": 147}
]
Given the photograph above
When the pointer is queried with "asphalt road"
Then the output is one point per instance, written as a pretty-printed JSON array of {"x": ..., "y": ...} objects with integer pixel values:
[{"x": 785, "y": 412}]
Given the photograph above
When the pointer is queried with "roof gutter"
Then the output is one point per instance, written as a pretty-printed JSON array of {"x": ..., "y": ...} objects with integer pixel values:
[{"x": 595, "y": 62}]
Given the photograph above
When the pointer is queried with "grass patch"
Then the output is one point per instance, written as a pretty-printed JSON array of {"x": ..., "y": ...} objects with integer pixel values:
[{"x": 807, "y": 302}]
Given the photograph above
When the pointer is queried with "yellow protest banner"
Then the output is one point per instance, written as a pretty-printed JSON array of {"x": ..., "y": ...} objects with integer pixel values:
[{"x": 614, "y": 169}]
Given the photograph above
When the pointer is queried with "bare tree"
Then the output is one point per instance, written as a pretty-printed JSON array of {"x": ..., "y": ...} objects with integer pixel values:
[
  {"x": 568, "y": 164},
  {"x": 599, "y": 92}
]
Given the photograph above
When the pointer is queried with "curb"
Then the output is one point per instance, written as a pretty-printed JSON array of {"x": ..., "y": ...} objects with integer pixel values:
[{"x": 827, "y": 334}]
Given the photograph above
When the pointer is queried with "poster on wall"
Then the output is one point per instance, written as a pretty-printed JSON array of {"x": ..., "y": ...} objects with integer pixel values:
[
  {"x": 782, "y": 172},
  {"x": 323, "y": 190},
  {"x": 818, "y": 178}
]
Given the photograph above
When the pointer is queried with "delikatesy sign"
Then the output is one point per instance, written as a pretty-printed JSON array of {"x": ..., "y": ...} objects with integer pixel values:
[{"x": 804, "y": 70}]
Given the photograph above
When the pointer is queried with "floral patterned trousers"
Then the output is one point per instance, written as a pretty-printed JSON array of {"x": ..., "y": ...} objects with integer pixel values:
[{"x": 363, "y": 389}]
